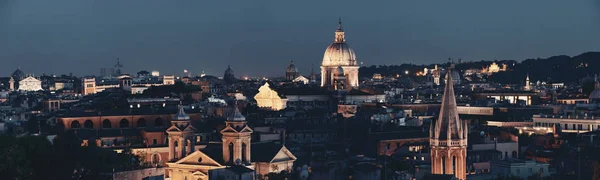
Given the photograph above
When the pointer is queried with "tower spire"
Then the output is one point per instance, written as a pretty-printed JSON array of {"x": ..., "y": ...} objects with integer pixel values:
[{"x": 448, "y": 136}]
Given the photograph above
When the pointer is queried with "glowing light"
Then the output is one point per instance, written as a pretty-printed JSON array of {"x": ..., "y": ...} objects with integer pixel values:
[{"x": 406, "y": 72}]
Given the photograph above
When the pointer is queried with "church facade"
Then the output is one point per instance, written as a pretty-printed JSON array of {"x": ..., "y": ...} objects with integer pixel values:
[
  {"x": 235, "y": 151},
  {"x": 448, "y": 137},
  {"x": 30, "y": 84},
  {"x": 337, "y": 56}
]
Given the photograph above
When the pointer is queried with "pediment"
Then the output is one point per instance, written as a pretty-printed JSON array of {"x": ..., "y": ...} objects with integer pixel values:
[
  {"x": 283, "y": 155},
  {"x": 247, "y": 129},
  {"x": 190, "y": 129},
  {"x": 228, "y": 129},
  {"x": 198, "y": 158},
  {"x": 174, "y": 129}
]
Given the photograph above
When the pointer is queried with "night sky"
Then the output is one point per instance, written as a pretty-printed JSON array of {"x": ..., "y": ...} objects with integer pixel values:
[{"x": 259, "y": 38}]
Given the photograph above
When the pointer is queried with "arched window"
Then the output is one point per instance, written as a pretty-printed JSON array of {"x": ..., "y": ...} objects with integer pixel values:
[
  {"x": 514, "y": 154},
  {"x": 88, "y": 124},
  {"x": 231, "y": 160},
  {"x": 443, "y": 164},
  {"x": 175, "y": 145},
  {"x": 75, "y": 124},
  {"x": 244, "y": 152},
  {"x": 156, "y": 159},
  {"x": 106, "y": 124},
  {"x": 124, "y": 123},
  {"x": 506, "y": 154},
  {"x": 453, "y": 164},
  {"x": 158, "y": 122},
  {"x": 183, "y": 150},
  {"x": 141, "y": 122}
]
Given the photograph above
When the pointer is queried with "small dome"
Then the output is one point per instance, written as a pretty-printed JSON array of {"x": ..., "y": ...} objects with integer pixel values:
[
  {"x": 236, "y": 116},
  {"x": 291, "y": 68},
  {"x": 229, "y": 71},
  {"x": 18, "y": 74},
  {"x": 455, "y": 77},
  {"x": 181, "y": 115}
]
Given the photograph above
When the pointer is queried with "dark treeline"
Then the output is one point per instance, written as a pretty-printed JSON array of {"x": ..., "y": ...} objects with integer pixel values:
[
  {"x": 553, "y": 69},
  {"x": 35, "y": 157}
]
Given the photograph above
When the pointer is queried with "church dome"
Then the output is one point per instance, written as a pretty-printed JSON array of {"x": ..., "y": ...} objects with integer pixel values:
[
  {"x": 291, "y": 68},
  {"x": 456, "y": 77},
  {"x": 236, "y": 116},
  {"x": 595, "y": 95},
  {"x": 18, "y": 74},
  {"x": 339, "y": 53},
  {"x": 229, "y": 77}
]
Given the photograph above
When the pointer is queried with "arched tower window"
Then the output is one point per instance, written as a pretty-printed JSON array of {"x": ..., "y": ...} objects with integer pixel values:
[
  {"x": 75, "y": 124},
  {"x": 124, "y": 123},
  {"x": 141, "y": 122},
  {"x": 244, "y": 152},
  {"x": 231, "y": 160},
  {"x": 453, "y": 164},
  {"x": 183, "y": 150},
  {"x": 88, "y": 124},
  {"x": 443, "y": 164},
  {"x": 175, "y": 145}
]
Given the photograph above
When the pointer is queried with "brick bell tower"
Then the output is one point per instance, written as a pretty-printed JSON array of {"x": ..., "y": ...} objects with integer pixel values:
[
  {"x": 448, "y": 137},
  {"x": 236, "y": 139}
]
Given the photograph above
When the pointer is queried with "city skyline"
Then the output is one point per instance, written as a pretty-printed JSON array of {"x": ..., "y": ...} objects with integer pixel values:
[{"x": 171, "y": 37}]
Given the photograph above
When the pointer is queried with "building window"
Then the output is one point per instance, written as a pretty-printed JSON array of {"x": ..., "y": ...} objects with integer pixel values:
[
  {"x": 141, "y": 122},
  {"x": 154, "y": 141},
  {"x": 106, "y": 124},
  {"x": 88, "y": 124},
  {"x": 75, "y": 124}
]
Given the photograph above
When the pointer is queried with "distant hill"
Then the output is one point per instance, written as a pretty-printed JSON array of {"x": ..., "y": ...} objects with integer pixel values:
[{"x": 553, "y": 69}]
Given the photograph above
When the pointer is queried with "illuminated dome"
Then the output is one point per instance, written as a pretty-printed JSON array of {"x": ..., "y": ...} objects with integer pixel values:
[{"x": 339, "y": 53}]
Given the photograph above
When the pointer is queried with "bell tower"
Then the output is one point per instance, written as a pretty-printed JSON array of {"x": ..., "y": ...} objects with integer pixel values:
[
  {"x": 181, "y": 136},
  {"x": 448, "y": 137},
  {"x": 236, "y": 139},
  {"x": 11, "y": 83}
]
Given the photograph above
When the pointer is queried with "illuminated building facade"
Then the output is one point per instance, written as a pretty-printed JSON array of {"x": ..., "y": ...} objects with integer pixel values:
[
  {"x": 234, "y": 150},
  {"x": 30, "y": 84}
]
